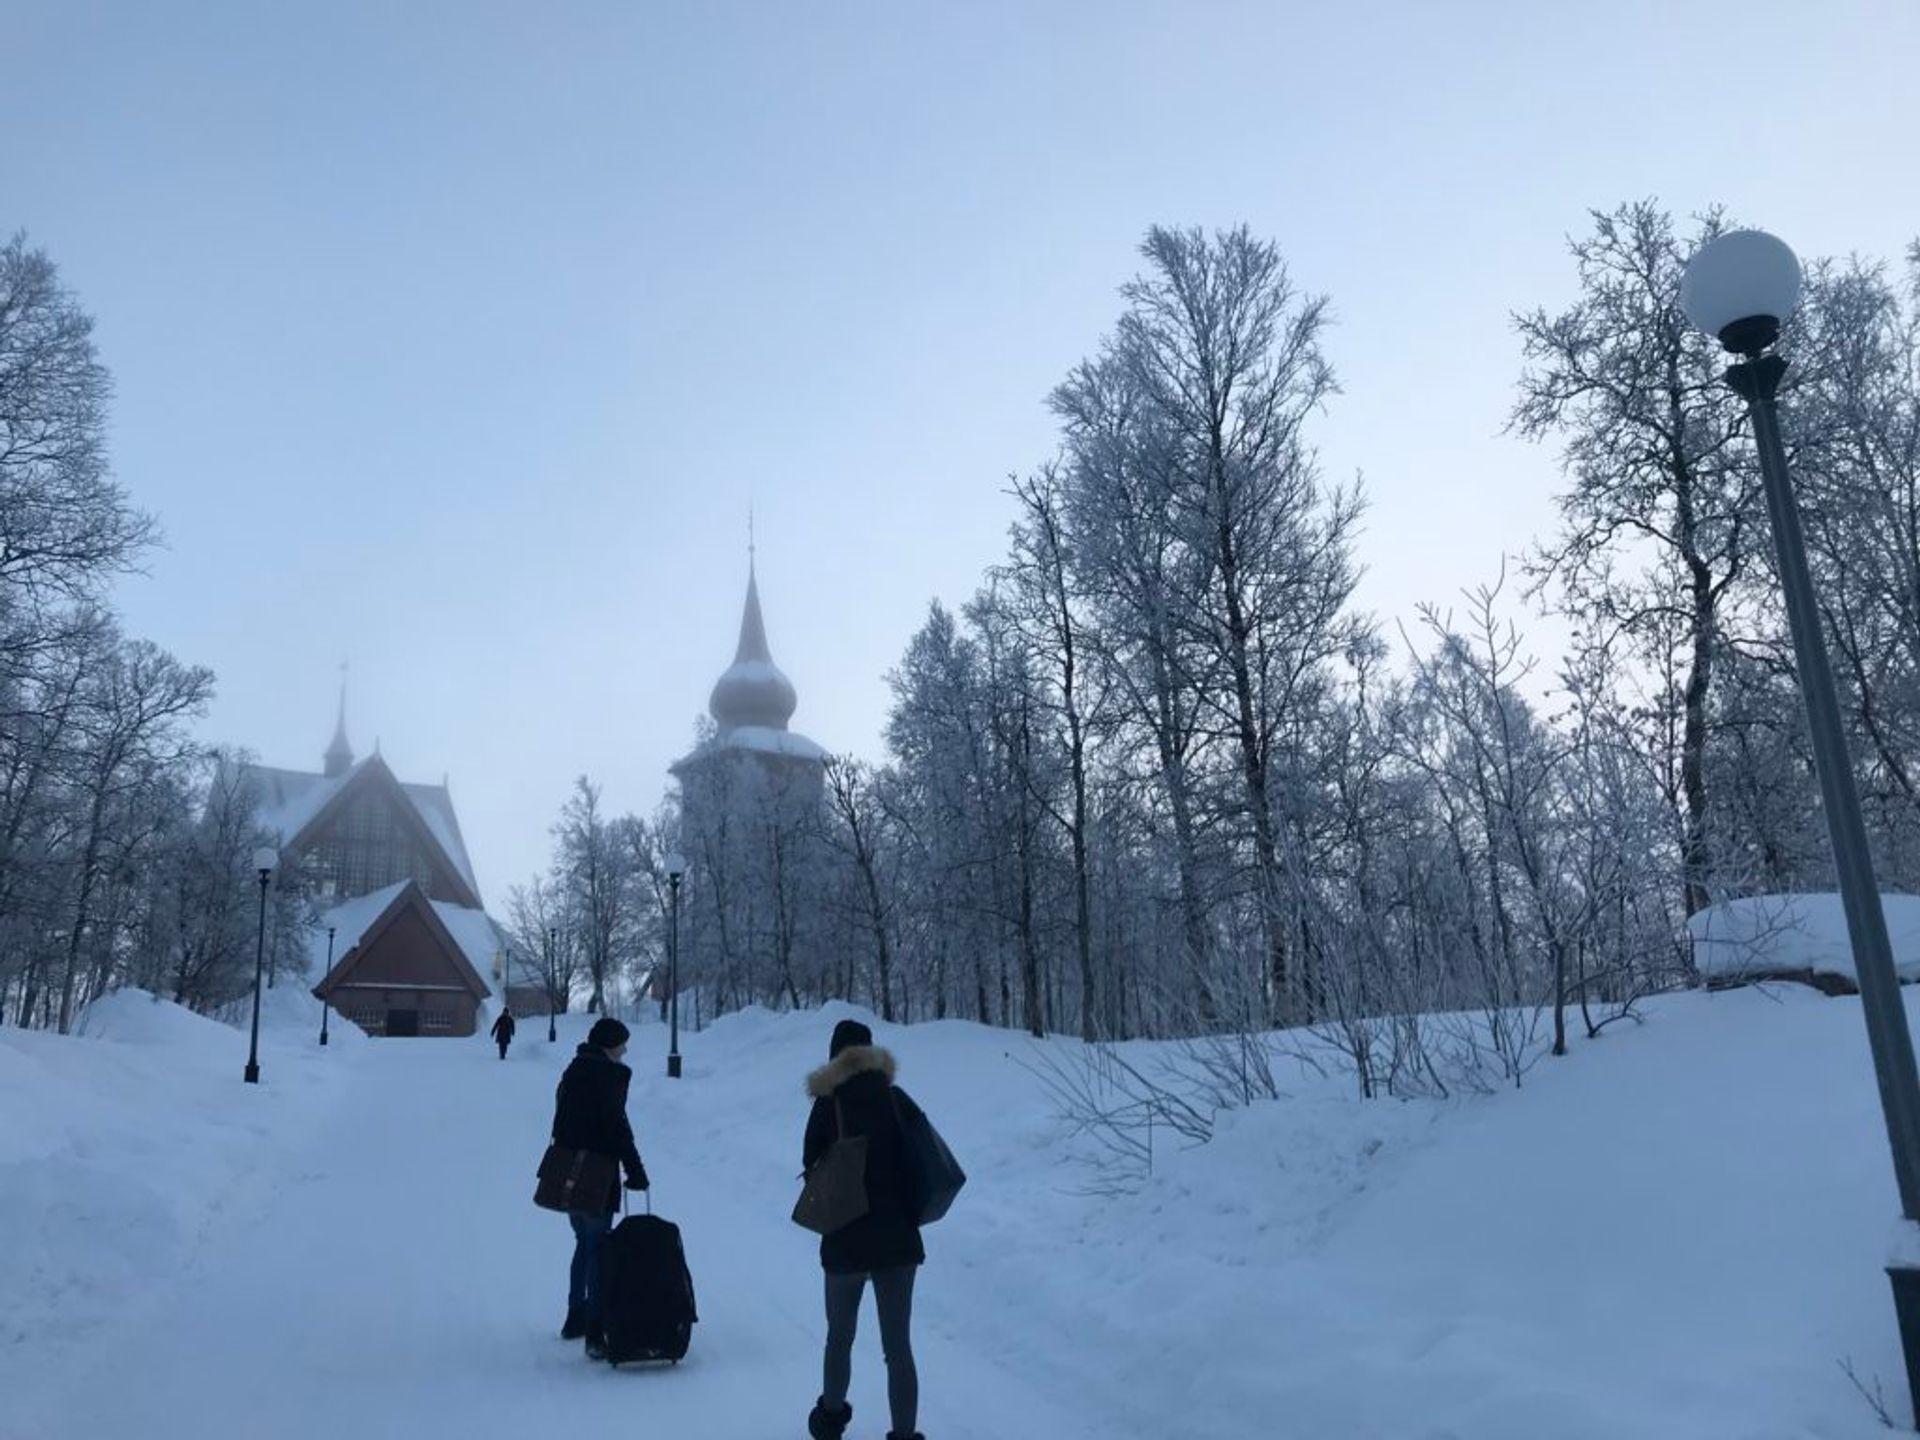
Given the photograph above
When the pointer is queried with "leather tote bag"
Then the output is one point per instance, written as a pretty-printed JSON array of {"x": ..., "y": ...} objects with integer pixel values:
[{"x": 836, "y": 1190}]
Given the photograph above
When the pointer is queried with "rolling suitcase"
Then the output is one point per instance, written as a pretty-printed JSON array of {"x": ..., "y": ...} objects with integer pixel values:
[{"x": 646, "y": 1291}]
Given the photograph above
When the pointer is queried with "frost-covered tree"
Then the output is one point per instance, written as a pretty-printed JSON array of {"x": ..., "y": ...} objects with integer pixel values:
[
  {"x": 95, "y": 768},
  {"x": 1661, "y": 517},
  {"x": 1855, "y": 416},
  {"x": 1227, "y": 353}
]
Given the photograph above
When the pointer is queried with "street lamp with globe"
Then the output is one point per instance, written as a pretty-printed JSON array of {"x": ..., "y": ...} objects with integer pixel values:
[{"x": 1739, "y": 288}]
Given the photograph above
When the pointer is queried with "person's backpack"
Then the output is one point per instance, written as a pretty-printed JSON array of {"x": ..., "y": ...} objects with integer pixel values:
[{"x": 646, "y": 1291}]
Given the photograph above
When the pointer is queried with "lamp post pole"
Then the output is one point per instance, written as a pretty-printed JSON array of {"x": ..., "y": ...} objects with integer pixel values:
[
  {"x": 552, "y": 1000},
  {"x": 326, "y": 1006},
  {"x": 1888, "y": 1034},
  {"x": 676, "y": 869},
  {"x": 264, "y": 860},
  {"x": 1738, "y": 288}
]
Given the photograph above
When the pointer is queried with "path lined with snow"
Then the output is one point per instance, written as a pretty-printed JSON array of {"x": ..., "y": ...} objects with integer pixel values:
[
  {"x": 1676, "y": 1232},
  {"x": 403, "y": 1284}
]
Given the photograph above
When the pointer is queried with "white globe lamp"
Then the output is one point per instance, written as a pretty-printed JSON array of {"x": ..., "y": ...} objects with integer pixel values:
[{"x": 1739, "y": 287}]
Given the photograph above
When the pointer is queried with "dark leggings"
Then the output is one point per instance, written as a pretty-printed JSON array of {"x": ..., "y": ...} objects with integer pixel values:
[{"x": 893, "y": 1296}]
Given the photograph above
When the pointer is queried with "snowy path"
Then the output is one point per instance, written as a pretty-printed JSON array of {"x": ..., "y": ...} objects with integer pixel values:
[
  {"x": 403, "y": 1284},
  {"x": 1676, "y": 1232}
]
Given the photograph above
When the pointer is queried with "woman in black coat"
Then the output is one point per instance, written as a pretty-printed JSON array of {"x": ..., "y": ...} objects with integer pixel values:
[
  {"x": 854, "y": 1094},
  {"x": 590, "y": 1114}
]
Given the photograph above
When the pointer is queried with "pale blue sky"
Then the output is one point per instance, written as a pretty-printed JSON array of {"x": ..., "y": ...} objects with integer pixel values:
[{"x": 458, "y": 338}]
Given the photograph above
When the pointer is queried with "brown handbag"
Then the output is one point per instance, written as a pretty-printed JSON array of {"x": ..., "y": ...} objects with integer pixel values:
[
  {"x": 836, "y": 1191},
  {"x": 576, "y": 1180}
]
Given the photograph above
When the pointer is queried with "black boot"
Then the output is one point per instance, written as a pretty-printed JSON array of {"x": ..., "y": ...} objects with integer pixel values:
[
  {"x": 596, "y": 1344},
  {"x": 575, "y": 1325},
  {"x": 825, "y": 1424},
  {"x": 896, "y": 1435}
]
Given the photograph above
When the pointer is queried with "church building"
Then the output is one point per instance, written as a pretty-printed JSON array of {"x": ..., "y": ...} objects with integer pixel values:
[{"x": 402, "y": 940}]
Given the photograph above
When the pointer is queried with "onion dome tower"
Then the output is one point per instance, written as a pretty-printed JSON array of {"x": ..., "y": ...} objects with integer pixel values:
[{"x": 752, "y": 692}]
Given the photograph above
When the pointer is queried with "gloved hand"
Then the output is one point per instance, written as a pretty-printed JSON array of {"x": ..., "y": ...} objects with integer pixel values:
[{"x": 637, "y": 1178}]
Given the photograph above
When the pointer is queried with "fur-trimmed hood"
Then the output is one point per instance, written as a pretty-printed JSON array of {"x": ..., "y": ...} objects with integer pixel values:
[{"x": 852, "y": 1061}]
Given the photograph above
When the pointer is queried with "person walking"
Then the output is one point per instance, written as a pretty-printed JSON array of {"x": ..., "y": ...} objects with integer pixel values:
[
  {"x": 503, "y": 1029},
  {"x": 854, "y": 1094},
  {"x": 590, "y": 1114}
]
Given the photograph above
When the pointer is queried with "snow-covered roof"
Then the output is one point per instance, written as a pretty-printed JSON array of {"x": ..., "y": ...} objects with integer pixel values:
[
  {"x": 480, "y": 939},
  {"x": 474, "y": 931},
  {"x": 768, "y": 741},
  {"x": 349, "y": 920},
  {"x": 435, "y": 804},
  {"x": 1771, "y": 934},
  {"x": 290, "y": 799}
]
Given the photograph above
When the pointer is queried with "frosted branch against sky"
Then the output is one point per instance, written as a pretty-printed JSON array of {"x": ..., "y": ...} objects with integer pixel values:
[{"x": 459, "y": 339}]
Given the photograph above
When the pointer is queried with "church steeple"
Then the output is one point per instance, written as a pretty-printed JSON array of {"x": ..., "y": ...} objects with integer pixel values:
[
  {"x": 753, "y": 691},
  {"x": 339, "y": 757}
]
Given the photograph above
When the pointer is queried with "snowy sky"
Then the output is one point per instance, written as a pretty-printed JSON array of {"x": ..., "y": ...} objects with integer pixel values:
[{"x": 458, "y": 338}]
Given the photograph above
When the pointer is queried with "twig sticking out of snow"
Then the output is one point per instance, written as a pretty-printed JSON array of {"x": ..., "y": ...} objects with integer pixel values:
[{"x": 1874, "y": 1397}]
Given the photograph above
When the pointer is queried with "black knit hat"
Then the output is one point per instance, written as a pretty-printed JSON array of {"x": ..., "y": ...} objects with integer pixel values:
[
  {"x": 608, "y": 1033},
  {"x": 848, "y": 1032}
]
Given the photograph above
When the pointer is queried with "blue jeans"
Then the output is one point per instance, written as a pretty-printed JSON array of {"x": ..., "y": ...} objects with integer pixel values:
[
  {"x": 583, "y": 1280},
  {"x": 893, "y": 1295}
]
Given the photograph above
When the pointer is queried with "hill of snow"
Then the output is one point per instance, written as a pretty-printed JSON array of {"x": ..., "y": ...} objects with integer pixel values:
[
  {"x": 128, "y": 1149},
  {"x": 1676, "y": 1231}
]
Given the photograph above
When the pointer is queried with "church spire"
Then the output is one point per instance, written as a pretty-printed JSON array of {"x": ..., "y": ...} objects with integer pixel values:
[
  {"x": 753, "y": 691},
  {"x": 753, "y": 628},
  {"x": 339, "y": 757}
]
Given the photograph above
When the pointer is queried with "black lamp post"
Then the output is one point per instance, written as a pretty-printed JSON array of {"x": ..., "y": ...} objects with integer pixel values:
[
  {"x": 1738, "y": 289},
  {"x": 553, "y": 936},
  {"x": 325, "y": 1007},
  {"x": 676, "y": 871},
  {"x": 264, "y": 859}
]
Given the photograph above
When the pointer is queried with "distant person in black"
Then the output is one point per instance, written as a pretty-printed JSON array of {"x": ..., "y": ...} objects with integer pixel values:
[
  {"x": 503, "y": 1032},
  {"x": 854, "y": 1094},
  {"x": 590, "y": 1113}
]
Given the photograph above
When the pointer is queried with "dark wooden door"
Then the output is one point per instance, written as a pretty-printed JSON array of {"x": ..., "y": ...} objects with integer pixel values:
[{"x": 403, "y": 1022}]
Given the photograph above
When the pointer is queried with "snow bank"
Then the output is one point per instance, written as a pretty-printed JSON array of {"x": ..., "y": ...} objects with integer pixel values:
[
  {"x": 138, "y": 1017},
  {"x": 1785, "y": 934},
  {"x": 126, "y": 1146}
]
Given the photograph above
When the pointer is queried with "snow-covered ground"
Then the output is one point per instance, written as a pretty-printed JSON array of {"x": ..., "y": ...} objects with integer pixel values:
[{"x": 1677, "y": 1231}]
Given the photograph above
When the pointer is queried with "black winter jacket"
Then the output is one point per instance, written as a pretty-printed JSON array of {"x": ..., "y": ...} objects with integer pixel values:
[
  {"x": 860, "y": 1080},
  {"x": 503, "y": 1028},
  {"x": 590, "y": 1113}
]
